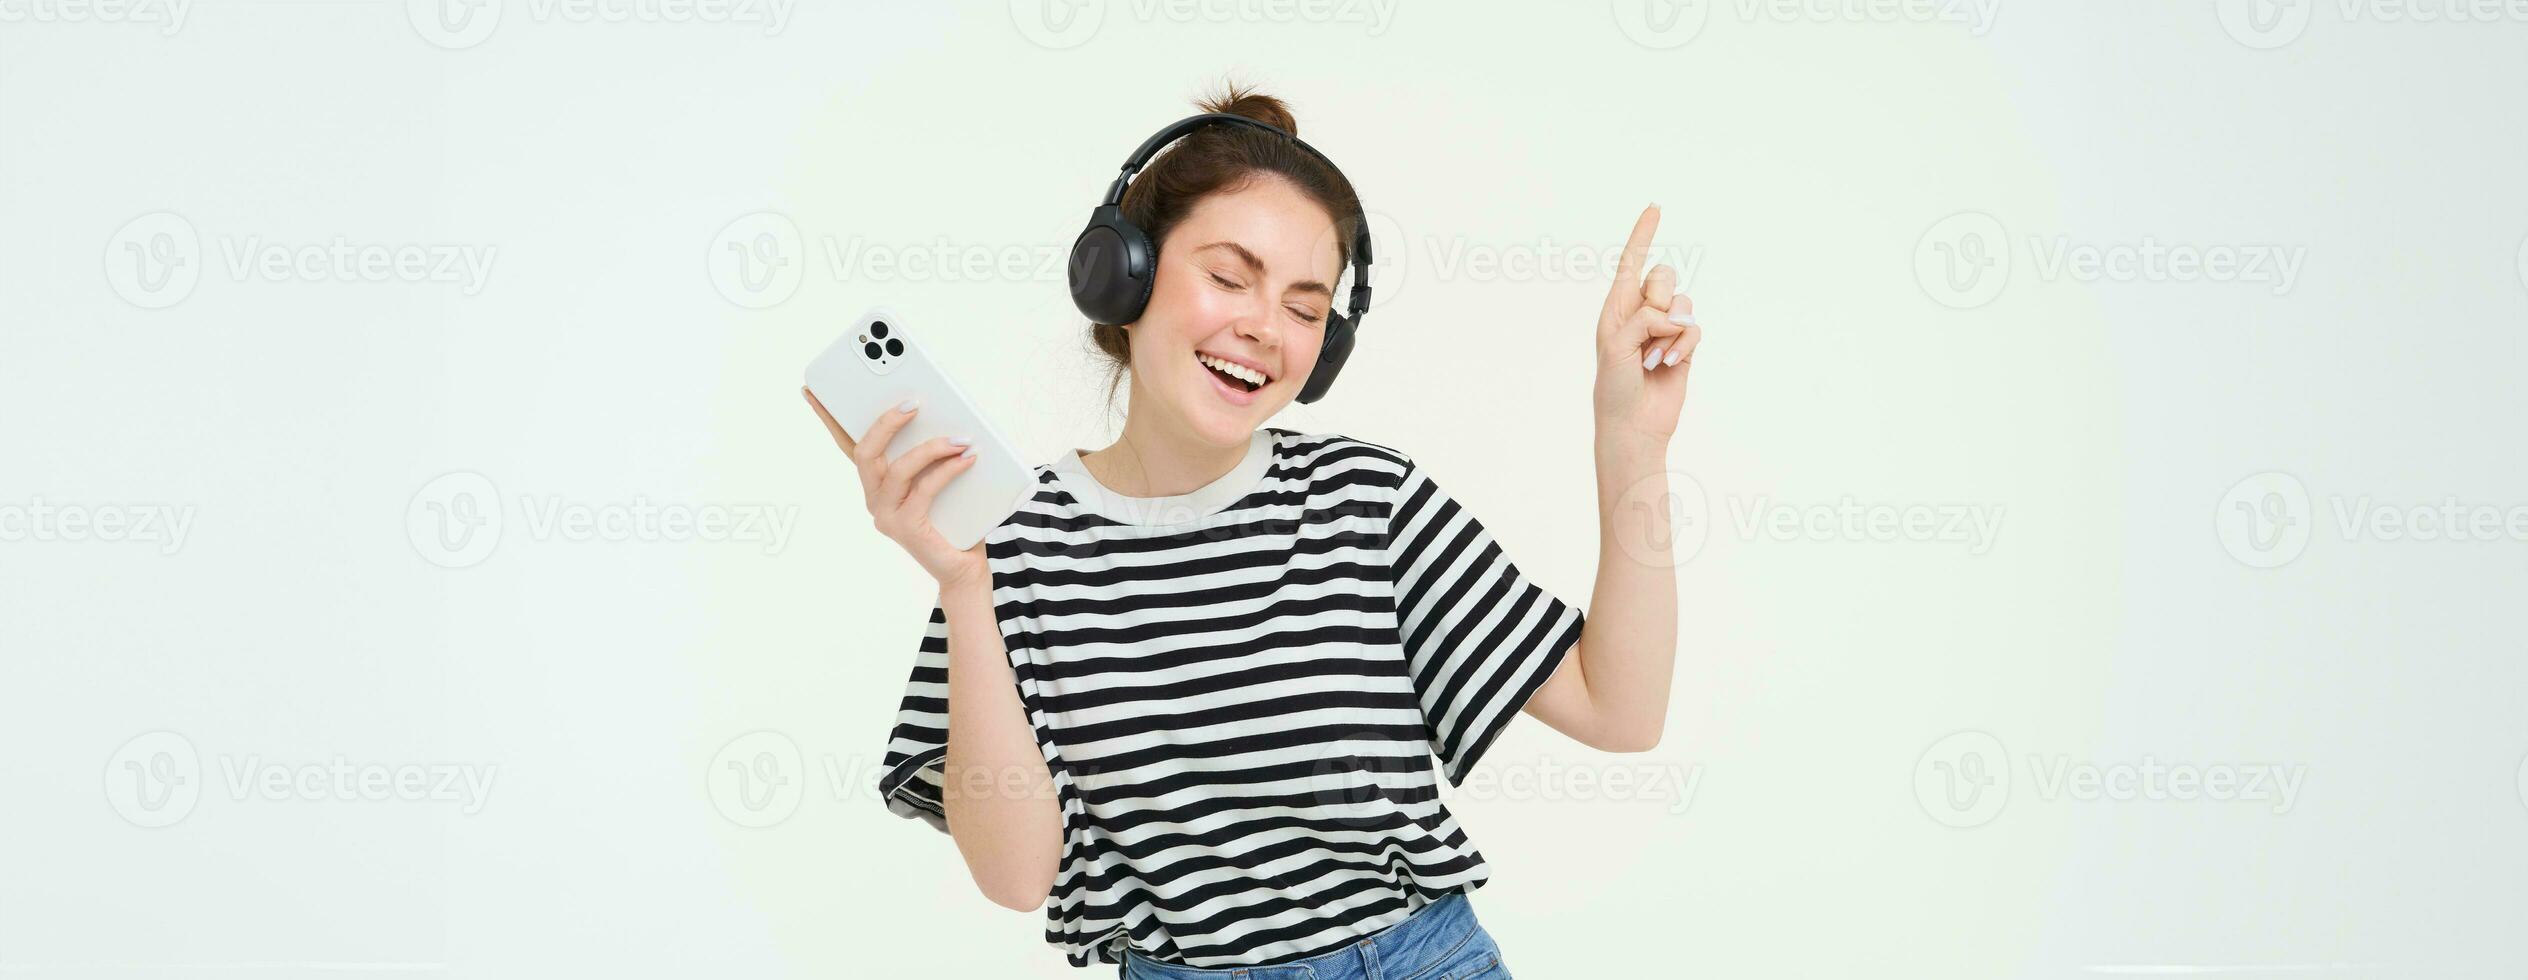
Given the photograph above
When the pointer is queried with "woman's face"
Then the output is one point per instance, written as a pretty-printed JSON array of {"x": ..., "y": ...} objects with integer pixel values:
[{"x": 1247, "y": 277}]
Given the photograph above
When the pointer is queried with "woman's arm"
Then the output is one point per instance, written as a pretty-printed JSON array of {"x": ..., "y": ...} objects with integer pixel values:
[
  {"x": 994, "y": 785},
  {"x": 1611, "y": 691}
]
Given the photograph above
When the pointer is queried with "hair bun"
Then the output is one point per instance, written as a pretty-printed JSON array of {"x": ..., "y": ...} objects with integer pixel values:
[{"x": 1239, "y": 100}]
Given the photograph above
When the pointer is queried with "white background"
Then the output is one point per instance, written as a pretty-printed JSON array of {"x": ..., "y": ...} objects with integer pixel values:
[{"x": 2187, "y": 470}]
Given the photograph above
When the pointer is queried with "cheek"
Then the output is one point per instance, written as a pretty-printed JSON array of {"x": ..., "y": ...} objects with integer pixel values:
[{"x": 1196, "y": 303}]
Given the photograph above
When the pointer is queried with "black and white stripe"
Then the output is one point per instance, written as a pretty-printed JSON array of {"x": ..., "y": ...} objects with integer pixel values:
[{"x": 1240, "y": 711}]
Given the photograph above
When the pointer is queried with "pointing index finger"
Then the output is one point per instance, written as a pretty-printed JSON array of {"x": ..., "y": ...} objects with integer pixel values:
[{"x": 1626, "y": 290}]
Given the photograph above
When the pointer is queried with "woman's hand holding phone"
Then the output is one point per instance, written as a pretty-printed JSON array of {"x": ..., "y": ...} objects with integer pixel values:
[{"x": 899, "y": 493}]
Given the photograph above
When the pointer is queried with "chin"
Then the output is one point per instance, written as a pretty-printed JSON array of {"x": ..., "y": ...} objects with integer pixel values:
[
  {"x": 1225, "y": 425},
  {"x": 1220, "y": 421}
]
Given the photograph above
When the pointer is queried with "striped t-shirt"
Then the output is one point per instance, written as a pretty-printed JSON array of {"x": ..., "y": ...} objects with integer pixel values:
[{"x": 1239, "y": 691}]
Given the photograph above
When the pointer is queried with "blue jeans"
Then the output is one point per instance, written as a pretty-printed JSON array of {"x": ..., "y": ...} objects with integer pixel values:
[{"x": 1439, "y": 941}]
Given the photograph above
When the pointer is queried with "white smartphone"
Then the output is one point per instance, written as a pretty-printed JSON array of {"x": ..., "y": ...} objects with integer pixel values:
[{"x": 876, "y": 365}]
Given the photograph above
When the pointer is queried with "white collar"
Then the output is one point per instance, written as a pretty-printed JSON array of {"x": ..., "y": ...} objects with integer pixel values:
[{"x": 1183, "y": 508}]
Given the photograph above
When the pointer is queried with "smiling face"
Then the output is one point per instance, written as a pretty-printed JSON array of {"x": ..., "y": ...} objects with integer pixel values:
[{"x": 1245, "y": 282}]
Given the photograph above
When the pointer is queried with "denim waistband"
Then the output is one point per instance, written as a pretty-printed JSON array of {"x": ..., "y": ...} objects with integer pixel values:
[{"x": 1399, "y": 951}]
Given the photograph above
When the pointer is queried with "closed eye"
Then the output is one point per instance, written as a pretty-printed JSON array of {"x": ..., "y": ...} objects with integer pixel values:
[{"x": 1303, "y": 315}]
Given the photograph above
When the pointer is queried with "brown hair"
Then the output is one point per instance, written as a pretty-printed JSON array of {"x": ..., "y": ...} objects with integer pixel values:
[{"x": 1218, "y": 159}]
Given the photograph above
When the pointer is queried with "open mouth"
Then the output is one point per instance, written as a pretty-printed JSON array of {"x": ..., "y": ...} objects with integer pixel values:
[{"x": 1237, "y": 377}]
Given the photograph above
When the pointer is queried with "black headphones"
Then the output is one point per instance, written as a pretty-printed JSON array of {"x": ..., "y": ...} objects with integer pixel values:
[{"x": 1114, "y": 263}]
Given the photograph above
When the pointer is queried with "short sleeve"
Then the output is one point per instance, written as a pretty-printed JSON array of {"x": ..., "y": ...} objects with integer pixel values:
[
  {"x": 1479, "y": 638},
  {"x": 909, "y": 775}
]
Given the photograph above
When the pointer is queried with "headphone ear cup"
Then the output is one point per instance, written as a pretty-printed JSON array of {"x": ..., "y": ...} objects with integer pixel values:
[
  {"x": 1111, "y": 269},
  {"x": 1330, "y": 357}
]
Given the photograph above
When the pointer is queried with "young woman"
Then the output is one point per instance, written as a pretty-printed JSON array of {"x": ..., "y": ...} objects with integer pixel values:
[{"x": 1191, "y": 691}]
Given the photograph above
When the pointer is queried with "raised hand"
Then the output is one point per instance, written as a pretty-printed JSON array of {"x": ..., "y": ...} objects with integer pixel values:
[{"x": 1646, "y": 340}]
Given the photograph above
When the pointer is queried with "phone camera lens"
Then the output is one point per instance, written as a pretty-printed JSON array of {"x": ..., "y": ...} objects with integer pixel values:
[
  {"x": 878, "y": 329},
  {"x": 895, "y": 348},
  {"x": 870, "y": 351}
]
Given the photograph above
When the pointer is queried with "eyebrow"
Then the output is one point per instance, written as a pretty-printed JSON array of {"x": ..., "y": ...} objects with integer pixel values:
[{"x": 1254, "y": 264}]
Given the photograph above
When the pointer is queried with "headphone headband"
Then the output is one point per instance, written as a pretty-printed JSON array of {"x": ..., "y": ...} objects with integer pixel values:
[
  {"x": 1114, "y": 262},
  {"x": 1150, "y": 147}
]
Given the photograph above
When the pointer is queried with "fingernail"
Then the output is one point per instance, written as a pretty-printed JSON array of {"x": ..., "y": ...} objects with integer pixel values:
[
  {"x": 969, "y": 452},
  {"x": 1682, "y": 318},
  {"x": 906, "y": 405},
  {"x": 960, "y": 441},
  {"x": 1653, "y": 359},
  {"x": 1673, "y": 356}
]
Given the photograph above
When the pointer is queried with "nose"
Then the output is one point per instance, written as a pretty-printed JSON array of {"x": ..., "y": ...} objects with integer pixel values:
[{"x": 1259, "y": 324}]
